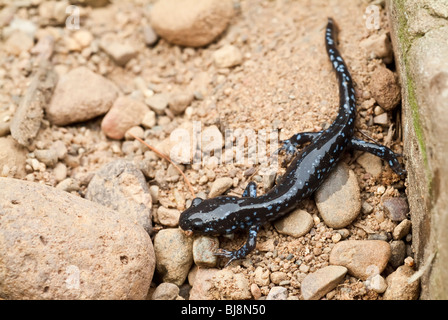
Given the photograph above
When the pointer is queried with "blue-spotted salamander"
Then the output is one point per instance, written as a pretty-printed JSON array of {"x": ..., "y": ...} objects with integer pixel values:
[{"x": 305, "y": 174}]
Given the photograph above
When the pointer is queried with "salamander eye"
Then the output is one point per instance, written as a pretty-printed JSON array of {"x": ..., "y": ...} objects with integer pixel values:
[{"x": 196, "y": 201}]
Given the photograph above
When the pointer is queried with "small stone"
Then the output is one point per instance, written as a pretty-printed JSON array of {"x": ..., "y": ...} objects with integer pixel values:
[
  {"x": 120, "y": 51},
  {"x": 149, "y": 119},
  {"x": 371, "y": 163},
  {"x": 18, "y": 42},
  {"x": 262, "y": 276},
  {"x": 396, "y": 208},
  {"x": 166, "y": 291},
  {"x": 362, "y": 258},
  {"x": 135, "y": 131},
  {"x": 149, "y": 35},
  {"x": 212, "y": 140},
  {"x": 316, "y": 285},
  {"x": 295, "y": 224},
  {"x": 277, "y": 293},
  {"x": 158, "y": 103},
  {"x": 168, "y": 217},
  {"x": 174, "y": 256},
  {"x": 398, "y": 286},
  {"x": 12, "y": 155},
  {"x": 255, "y": 290},
  {"x": 124, "y": 114},
  {"x": 83, "y": 37},
  {"x": 338, "y": 199},
  {"x": 192, "y": 23},
  {"x": 203, "y": 251},
  {"x": 220, "y": 186},
  {"x": 231, "y": 286},
  {"x": 60, "y": 149},
  {"x": 178, "y": 102},
  {"x": 68, "y": 185},
  {"x": 278, "y": 276},
  {"x": 201, "y": 280},
  {"x": 378, "y": 46},
  {"x": 377, "y": 283},
  {"x": 402, "y": 229},
  {"x": 80, "y": 95},
  {"x": 398, "y": 253},
  {"x": 382, "y": 119},
  {"x": 385, "y": 88},
  {"x": 228, "y": 56},
  {"x": 47, "y": 156},
  {"x": 60, "y": 172}
]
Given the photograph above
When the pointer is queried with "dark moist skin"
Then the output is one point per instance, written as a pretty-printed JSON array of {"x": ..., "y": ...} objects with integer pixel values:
[{"x": 305, "y": 174}]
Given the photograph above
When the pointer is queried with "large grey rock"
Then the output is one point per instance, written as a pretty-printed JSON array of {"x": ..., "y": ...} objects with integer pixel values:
[{"x": 54, "y": 245}]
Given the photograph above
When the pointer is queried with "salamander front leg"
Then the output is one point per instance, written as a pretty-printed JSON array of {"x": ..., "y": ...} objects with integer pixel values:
[
  {"x": 290, "y": 145},
  {"x": 244, "y": 250},
  {"x": 380, "y": 151}
]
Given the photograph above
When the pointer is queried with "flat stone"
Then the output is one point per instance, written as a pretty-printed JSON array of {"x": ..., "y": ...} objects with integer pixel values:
[
  {"x": 295, "y": 224},
  {"x": 80, "y": 95},
  {"x": 192, "y": 23},
  {"x": 54, "y": 245},
  {"x": 338, "y": 199},
  {"x": 317, "y": 284},
  {"x": 121, "y": 186},
  {"x": 362, "y": 258}
]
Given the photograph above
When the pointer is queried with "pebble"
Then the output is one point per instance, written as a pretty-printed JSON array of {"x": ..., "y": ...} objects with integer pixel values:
[
  {"x": 382, "y": 119},
  {"x": 211, "y": 140},
  {"x": 149, "y": 119},
  {"x": 68, "y": 185},
  {"x": 371, "y": 163},
  {"x": 362, "y": 258},
  {"x": 278, "y": 276},
  {"x": 60, "y": 172},
  {"x": 255, "y": 291},
  {"x": 168, "y": 217},
  {"x": 385, "y": 88},
  {"x": 338, "y": 199},
  {"x": 262, "y": 276},
  {"x": 378, "y": 46},
  {"x": 191, "y": 23},
  {"x": 398, "y": 286},
  {"x": 70, "y": 248},
  {"x": 173, "y": 250},
  {"x": 121, "y": 186},
  {"x": 402, "y": 229},
  {"x": 135, "y": 131},
  {"x": 118, "y": 49},
  {"x": 396, "y": 208},
  {"x": 12, "y": 155},
  {"x": 295, "y": 224},
  {"x": 316, "y": 285},
  {"x": 149, "y": 35},
  {"x": 398, "y": 253},
  {"x": 230, "y": 286},
  {"x": 166, "y": 291},
  {"x": 178, "y": 102},
  {"x": 277, "y": 293},
  {"x": 18, "y": 42},
  {"x": 204, "y": 248},
  {"x": 377, "y": 283},
  {"x": 124, "y": 114},
  {"x": 220, "y": 186},
  {"x": 158, "y": 103},
  {"x": 80, "y": 95},
  {"x": 228, "y": 56},
  {"x": 47, "y": 156}
]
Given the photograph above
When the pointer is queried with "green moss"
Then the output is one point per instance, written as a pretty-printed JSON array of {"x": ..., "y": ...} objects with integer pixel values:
[{"x": 406, "y": 41}]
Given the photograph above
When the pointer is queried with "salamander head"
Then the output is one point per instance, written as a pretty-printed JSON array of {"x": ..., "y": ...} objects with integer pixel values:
[{"x": 210, "y": 216}]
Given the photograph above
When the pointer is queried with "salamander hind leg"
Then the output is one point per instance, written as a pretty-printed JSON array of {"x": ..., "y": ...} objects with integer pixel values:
[
  {"x": 380, "y": 151},
  {"x": 251, "y": 190},
  {"x": 244, "y": 250}
]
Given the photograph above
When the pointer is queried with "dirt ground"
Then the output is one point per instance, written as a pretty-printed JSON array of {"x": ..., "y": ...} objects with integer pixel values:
[{"x": 285, "y": 82}]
